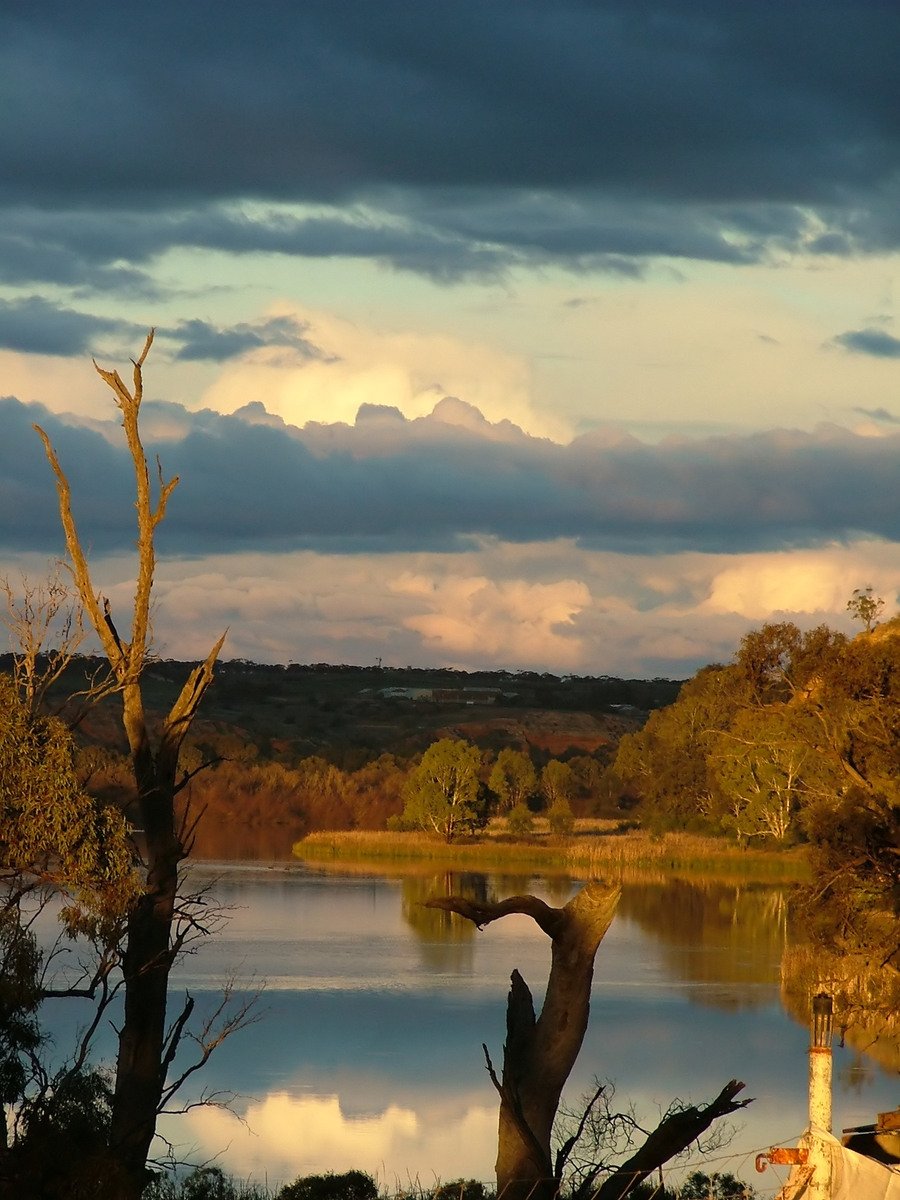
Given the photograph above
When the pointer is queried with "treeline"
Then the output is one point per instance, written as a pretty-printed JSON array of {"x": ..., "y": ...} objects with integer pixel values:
[
  {"x": 797, "y": 740},
  {"x": 757, "y": 747},
  {"x": 231, "y": 786},
  {"x": 313, "y": 793}
]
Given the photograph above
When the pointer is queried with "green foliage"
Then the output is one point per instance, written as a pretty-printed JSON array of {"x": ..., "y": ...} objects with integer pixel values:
[
  {"x": 520, "y": 820},
  {"x": 591, "y": 788},
  {"x": 512, "y": 778},
  {"x": 560, "y": 817},
  {"x": 442, "y": 792},
  {"x": 700, "y": 1186},
  {"x": 351, "y": 1185},
  {"x": 854, "y": 906},
  {"x": 62, "y": 1138},
  {"x": 766, "y": 767},
  {"x": 799, "y": 717},
  {"x": 557, "y": 782},
  {"x": 799, "y": 738},
  {"x": 20, "y": 1033},
  {"x": 51, "y": 828},
  {"x": 666, "y": 765}
]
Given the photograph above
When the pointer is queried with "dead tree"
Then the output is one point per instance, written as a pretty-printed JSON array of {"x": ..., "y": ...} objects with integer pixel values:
[
  {"x": 539, "y": 1052},
  {"x": 152, "y": 938}
]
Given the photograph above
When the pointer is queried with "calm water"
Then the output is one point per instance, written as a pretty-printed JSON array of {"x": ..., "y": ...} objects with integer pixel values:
[{"x": 367, "y": 1048}]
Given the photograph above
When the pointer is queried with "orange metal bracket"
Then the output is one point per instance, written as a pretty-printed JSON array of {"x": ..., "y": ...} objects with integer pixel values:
[{"x": 793, "y": 1156}]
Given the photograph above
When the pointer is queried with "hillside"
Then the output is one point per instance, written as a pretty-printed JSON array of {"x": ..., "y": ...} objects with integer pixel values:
[
  {"x": 350, "y": 715},
  {"x": 294, "y": 749}
]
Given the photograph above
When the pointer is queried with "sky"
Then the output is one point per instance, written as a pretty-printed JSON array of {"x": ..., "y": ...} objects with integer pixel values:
[{"x": 555, "y": 335}]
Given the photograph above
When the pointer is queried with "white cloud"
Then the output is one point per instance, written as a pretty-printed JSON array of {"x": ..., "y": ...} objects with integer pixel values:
[
  {"x": 506, "y": 621},
  {"x": 408, "y": 370},
  {"x": 550, "y": 606},
  {"x": 803, "y": 581}
]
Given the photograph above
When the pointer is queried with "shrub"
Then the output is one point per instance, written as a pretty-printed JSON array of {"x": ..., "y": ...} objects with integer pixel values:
[
  {"x": 352, "y": 1185},
  {"x": 203, "y": 1183},
  {"x": 520, "y": 821},
  {"x": 462, "y": 1189},
  {"x": 560, "y": 817}
]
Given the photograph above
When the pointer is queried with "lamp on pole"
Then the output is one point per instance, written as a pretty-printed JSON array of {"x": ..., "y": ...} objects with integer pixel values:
[{"x": 820, "y": 1062}]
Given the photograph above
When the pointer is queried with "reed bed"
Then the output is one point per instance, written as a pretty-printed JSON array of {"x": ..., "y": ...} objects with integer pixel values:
[{"x": 603, "y": 849}]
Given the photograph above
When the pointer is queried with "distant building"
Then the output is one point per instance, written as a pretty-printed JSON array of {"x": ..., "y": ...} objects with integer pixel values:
[{"x": 464, "y": 695}]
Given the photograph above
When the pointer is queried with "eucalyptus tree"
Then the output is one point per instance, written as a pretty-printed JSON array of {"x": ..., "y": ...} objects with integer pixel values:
[
  {"x": 866, "y": 607},
  {"x": 512, "y": 778},
  {"x": 442, "y": 792},
  {"x": 59, "y": 846}
]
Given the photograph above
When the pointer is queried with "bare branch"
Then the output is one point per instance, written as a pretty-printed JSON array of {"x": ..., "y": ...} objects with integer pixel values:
[
  {"x": 80, "y": 570},
  {"x": 46, "y": 628},
  {"x": 562, "y": 1154},
  {"x": 483, "y": 913},
  {"x": 218, "y": 1026},
  {"x": 674, "y": 1134},
  {"x": 175, "y": 1033}
]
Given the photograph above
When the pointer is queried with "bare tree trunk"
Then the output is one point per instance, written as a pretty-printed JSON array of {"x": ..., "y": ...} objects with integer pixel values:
[
  {"x": 152, "y": 942},
  {"x": 540, "y": 1051}
]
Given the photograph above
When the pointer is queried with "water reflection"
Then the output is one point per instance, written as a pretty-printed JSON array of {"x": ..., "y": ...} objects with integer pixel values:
[
  {"x": 445, "y": 939},
  {"x": 283, "y": 1136},
  {"x": 730, "y": 937},
  {"x": 866, "y": 998},
  {"x": 369, "y": 1051}
]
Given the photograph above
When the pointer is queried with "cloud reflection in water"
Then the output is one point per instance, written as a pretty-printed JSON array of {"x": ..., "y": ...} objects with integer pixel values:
[{"x": 284, "y": 1136}]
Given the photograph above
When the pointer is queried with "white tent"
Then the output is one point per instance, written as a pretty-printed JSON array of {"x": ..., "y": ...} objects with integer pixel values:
[{"x": 852, "y": 1175}]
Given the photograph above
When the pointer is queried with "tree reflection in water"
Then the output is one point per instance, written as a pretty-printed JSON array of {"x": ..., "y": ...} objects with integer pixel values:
[
  {"x": 866, "y": 996},
  {"x": 445, "y": 940},
  {"x": 727, "y": 936}
]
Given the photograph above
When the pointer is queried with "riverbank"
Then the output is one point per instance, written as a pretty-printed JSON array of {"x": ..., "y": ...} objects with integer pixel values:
[{"x": 595, "y": 848}]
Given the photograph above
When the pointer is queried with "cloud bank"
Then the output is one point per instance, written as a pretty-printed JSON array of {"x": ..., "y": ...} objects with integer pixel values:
[
  {"x": 448, "y": 539},
  {"x": 445, "y": 140},
  {"x": 388, "y": 483}
]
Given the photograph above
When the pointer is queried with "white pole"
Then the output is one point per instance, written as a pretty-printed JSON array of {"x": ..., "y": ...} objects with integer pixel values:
[{"x": 820, "y": 1067}]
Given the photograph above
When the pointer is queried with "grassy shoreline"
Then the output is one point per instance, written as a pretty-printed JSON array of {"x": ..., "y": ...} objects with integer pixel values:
[{"x": 602, "y": 849}]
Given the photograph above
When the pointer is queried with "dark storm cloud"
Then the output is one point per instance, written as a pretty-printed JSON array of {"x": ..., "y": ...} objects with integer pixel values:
[
  {"x": 446, "y": 138},
  {"x": 202, "y": 341},
  {"x": 34, "y": 326},
  {"x": 878, "y": 414},
  {"x": 874, "y": 342},
  {"x": 388, "y": 483}
]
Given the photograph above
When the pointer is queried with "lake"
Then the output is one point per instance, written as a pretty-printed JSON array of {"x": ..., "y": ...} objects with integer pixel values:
[{"x": 366, "y": 1051}]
